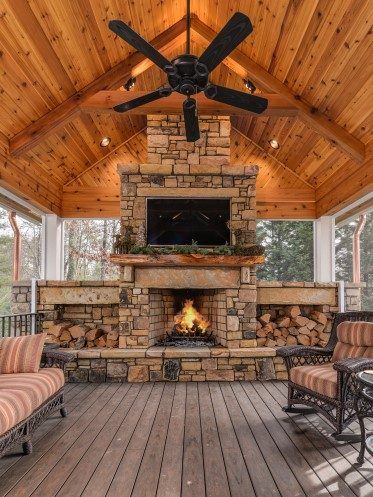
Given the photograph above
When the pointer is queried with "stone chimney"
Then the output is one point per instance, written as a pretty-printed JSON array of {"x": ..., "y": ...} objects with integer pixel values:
[{"x": 167, "y": 144}]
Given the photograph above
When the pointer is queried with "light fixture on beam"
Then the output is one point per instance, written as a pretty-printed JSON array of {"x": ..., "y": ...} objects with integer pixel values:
[
  {"x": 105, "y": 141},
  {"x": 249, "y": 85},
  {"x": 128, "y": 85},
  {"x": 274, "y": 144}
]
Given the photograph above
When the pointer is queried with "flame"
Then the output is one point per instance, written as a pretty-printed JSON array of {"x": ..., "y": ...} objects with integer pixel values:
[{"x": 190, "y": 321}]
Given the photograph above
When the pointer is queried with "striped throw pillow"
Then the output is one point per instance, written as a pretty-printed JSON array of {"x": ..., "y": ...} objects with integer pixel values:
[{"x": 21, "y": 354}]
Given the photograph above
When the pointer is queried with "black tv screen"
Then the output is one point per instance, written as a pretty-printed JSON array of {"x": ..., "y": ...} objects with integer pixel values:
[{"x": 179, "y": 221}]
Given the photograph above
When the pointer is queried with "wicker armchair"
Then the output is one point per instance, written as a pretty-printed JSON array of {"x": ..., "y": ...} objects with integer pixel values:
[{"x": 336, "y": 378}]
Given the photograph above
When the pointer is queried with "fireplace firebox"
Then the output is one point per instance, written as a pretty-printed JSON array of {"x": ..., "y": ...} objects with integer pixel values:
[{"x": 182, "y": 221}]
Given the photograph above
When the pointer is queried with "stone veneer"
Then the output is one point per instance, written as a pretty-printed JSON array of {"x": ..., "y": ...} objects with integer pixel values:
[
  {"x": 174, "y": 364},
  {"x": 21, "y": 297},
  {"x": 180, "y": 169}
]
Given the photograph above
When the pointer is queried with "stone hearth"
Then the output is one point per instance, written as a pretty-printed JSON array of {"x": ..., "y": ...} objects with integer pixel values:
[{"x": 178, "y": 169}]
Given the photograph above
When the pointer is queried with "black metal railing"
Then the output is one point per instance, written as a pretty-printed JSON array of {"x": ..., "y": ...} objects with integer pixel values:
[{"x": 14, "y": 325}]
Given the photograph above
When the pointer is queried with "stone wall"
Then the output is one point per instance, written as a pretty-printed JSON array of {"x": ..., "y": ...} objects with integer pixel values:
[
  {"x": 21, "y": 297},
  {"x": 159, "y": 364},
  {"x": 94, "y": 304},
  {"x": 353, "y": 296}
]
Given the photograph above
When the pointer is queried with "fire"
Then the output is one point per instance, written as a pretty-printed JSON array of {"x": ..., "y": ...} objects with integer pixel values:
[{"x": 189, "y": 321}]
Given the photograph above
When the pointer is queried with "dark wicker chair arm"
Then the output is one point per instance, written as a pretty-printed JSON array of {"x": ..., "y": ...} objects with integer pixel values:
[
  {"x": 297, "y": 351},
  {"x": 52, "y": 358},
  {"x": 353, "y": 364},
  {"x": 302, "y": 356}
]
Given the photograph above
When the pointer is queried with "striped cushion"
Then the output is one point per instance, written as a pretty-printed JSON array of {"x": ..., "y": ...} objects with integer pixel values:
[
  {"x": 21, "y": 354},
  {"x": 38, "y": 386},
  {"x": 15, "y": 406},
  {"x": 355, "y": 339},
  {"x": 321, "y": 378}
]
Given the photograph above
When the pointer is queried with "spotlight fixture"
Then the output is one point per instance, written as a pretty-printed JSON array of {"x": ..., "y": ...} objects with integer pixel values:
[
  {"x": 249, "y": 85},
  {"x": 105, "y": 141},
  {"x": 274, "y": 143},
  {"x": 129, "y": 84}
]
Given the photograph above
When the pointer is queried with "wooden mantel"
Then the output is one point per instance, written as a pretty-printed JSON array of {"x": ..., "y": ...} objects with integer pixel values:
[{"x": 191, "y": 260}]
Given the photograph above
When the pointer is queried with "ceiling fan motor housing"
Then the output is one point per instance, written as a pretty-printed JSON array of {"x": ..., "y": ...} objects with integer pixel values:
[{"x": 189, "y": 76}]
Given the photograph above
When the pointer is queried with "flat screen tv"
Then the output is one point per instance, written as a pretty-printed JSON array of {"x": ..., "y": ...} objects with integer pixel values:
[{"x": 179, "y": 221}]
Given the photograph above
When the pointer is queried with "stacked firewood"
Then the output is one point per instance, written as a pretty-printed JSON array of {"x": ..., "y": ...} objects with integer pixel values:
[
  {"x": 78, "y": 336},
  {"x": 287, "y": 326}
]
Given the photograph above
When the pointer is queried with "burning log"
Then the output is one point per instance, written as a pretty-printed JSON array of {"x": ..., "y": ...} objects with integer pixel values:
[{"x": 189, "y": 322}]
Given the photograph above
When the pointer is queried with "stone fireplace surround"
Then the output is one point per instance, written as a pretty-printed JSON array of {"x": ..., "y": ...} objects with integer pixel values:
[
  {"x": 139, "y": 306},
  {"x": 178, "y": 169}
]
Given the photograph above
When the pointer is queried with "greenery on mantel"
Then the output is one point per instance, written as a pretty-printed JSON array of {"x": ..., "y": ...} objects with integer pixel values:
[{"x": 195, "y": 249}]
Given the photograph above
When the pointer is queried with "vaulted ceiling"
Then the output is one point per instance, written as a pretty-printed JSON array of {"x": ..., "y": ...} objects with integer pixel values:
[{"x": 314, "y": 53}]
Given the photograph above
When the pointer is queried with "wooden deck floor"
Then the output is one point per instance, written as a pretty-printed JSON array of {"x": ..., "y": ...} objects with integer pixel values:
[{"x": 189, "y": 440}]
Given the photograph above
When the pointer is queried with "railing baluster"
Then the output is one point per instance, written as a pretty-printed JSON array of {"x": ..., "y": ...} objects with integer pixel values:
[{"x": 13, "y": 325}]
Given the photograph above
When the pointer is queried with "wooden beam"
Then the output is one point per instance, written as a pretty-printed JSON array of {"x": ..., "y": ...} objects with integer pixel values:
[
  {"x": 93, "y": 202},
  {"x": 12, "y": 205},
  {"x": 105, "y": 100},
  {"x": 132, "y": 66},
  {"x": 244, "y": 66},
  {"x": 350, "y": 215},
  {"x": 286, "y": 210},
  {"x": 285, "y": 195}
]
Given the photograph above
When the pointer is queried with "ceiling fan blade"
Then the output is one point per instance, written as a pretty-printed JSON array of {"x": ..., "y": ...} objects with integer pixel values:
[
  {"x": 234, "y": 32},
  {"x": 136, "y": 102},
  {"x": 191, "y": 120},
  {"x": 130, "y": 36},
  {"x": 245, "y": 101}
]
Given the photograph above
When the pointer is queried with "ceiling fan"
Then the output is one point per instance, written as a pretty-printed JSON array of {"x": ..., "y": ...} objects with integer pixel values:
[{"x": 188, "y": 74}]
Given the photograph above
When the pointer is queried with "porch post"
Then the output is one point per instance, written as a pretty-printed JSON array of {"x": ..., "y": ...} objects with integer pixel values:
[
  {"x": 324, "y": 250},
  {"x": 52, "y": 254}
]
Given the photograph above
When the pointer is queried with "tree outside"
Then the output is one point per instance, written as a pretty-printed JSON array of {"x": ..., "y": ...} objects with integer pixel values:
[
  {"x": 289, "y": 250},
  {"x": 88, "y": 244}
]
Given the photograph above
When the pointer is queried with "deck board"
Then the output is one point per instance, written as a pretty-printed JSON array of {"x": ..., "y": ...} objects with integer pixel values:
[{"x": 184, "y": 440}]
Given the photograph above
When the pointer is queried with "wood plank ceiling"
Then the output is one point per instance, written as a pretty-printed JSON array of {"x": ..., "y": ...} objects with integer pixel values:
[{"x": 319, "y": 49}]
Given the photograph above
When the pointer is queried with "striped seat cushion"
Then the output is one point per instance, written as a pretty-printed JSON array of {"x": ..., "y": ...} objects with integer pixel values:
[
  {"x": 321, "y": 378},
  {"x": 15, "y": 406},
  {"x": 21, "y": 354},
  {"x": 38, "y": 386},
  {"x": 355, "y": 339}
]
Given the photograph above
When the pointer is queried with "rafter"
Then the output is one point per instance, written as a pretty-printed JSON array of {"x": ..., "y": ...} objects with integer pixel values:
[
  {"x": 105, "y": 100},
  {"x": 132, "y": 66},
  {"x": 244, "y": 66}
]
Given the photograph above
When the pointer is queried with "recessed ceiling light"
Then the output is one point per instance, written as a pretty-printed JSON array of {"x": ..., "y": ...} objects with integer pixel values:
[
  {"x": 249, "y": 85},
  {"x": 129, "y": 84},
  {"x": 105, "y": 141},
  {"x": 274, "y": 143}
]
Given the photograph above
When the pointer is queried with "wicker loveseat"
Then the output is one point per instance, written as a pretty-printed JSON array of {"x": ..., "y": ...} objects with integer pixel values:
[
  {"x": 28, "y": 398},
  {"x": 322, "y": 378}
]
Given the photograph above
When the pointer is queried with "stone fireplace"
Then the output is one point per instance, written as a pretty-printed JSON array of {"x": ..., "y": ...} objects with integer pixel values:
[{"x": 226, "y": 295}]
